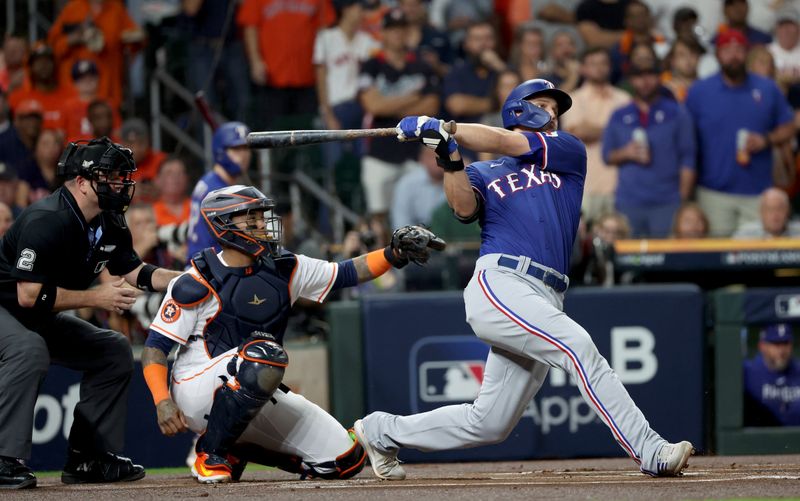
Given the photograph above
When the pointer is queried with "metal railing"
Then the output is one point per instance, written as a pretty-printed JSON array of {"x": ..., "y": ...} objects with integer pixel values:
[{"x": 37, "y": 22}]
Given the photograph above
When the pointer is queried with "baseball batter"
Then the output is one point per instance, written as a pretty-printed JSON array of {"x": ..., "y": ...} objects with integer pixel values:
[
  {"x": 228, "y": 313},
  {"x": 528, "y": 204}
]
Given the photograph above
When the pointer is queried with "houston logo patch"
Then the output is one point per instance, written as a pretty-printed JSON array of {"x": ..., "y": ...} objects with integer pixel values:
[{"x": 170, "y": 312}]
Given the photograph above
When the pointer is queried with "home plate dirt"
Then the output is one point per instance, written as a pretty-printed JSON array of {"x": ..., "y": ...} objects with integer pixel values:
[{"x": 706, "y": 478}]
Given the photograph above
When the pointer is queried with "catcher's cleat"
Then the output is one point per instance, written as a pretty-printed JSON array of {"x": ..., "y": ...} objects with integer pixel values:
[
  {"x": 99, "y": 468},
  {"x": 211, "y": 469},
  {"x": 673, "y": 458},
  {"x": 385, "y": 465}
]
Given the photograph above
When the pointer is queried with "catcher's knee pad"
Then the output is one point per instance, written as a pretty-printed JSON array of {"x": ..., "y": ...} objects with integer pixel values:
[
  {"x": 262, "y": 363},
  {"x": 257, "y": 372}
]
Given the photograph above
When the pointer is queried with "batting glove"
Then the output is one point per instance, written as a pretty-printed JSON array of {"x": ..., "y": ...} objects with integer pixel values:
[
  {"x": 437, "y": 139},
  {"x": 409, "y": 127}
]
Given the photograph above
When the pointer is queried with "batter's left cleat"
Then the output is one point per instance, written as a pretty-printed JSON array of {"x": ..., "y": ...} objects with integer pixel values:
[
  {"x": 212, "y": 469},
  {"x": 99, "y": 468},
  {"x": 673, "y": 458}
]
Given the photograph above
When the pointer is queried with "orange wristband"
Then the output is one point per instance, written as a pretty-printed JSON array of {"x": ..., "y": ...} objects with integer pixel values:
[
  {"x": 155, "y": 375},
  {"x": 377, "y": 263}
]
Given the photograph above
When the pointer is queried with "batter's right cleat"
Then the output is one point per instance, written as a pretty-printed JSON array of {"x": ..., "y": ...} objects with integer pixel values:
[
  {"x": 385, "y": 465},
  {"x": 212, "y": 469},
  {"x": 14, "y": 474},
  {"x": 237, "y": 467},
  {"x": 99, "y": 468},
  {"x": 673, "y": 458}
]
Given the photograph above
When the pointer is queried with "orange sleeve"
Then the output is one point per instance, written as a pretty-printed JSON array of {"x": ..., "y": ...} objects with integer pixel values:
[
  {"x": 56, "y": 37},
  {"x": 328, "y": 17},
  {"x": 248, "y": 13},
  {"x": 155, "y": 375}
]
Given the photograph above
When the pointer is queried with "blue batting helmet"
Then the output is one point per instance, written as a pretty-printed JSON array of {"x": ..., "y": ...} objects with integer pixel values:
[
  {"x": 229, "y": 135},
  {"x": 518, "y": 111}
]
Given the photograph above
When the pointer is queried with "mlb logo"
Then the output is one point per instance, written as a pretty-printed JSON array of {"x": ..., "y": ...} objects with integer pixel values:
[
  {"x": 450, "y": 381},
  {"x": 446, "y": 369}
]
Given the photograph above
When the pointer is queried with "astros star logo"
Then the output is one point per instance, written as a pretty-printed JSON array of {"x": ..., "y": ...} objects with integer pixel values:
[{"x": 256, "y": 300}]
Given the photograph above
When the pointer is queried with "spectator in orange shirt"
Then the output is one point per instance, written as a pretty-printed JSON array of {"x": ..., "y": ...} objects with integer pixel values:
[
  {"x": 173, "y": 204},
  {"x": 85, "y": 79},
  {"x": 12, "y": 62},
  {"x": 279, "y": 41},
  {"x": 42, "y": 85},
  {"x": 100, "y": 30}
]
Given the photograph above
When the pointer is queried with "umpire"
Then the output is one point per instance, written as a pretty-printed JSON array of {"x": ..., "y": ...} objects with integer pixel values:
[{"x": 48, "y": 259}]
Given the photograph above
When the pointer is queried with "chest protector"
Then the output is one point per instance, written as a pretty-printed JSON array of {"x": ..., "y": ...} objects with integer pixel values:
[{"x": 253, "y": 298}]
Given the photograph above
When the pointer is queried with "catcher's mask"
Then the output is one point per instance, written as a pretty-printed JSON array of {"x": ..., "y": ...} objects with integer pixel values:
[
  {"x": 263, "y": 229},
  {"x": 107, "y": 166}
]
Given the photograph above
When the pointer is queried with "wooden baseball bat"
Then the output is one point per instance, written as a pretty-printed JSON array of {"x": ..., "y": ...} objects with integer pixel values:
[{"x": 285, "y": 138}]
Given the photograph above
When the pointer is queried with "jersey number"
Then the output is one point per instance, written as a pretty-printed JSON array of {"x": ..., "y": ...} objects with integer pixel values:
[{"x": 26, "y": 259}]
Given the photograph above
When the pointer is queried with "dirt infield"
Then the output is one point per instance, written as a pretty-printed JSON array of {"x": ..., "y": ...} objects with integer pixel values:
[{"x": 706, "y": 478}]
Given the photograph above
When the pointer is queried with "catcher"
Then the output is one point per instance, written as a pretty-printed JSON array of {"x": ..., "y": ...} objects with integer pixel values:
[{"x": 228, "y": 313}]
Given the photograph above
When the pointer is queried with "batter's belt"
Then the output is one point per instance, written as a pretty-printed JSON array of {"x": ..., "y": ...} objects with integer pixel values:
[{"x": 551, "y": 278}]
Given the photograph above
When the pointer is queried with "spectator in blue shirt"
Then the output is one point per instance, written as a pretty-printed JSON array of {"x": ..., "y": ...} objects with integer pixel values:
[
  {"x": 467, "y": 88},
  {"x": 772, "y": 380},
  {"x": 736, "y": 12},
  {"x": 734, "y": 105},
  {"x": 652, "y": 142}
]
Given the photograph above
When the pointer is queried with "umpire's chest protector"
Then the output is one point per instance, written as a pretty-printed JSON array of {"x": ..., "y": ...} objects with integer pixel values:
[{"x": 254, "y": 298}]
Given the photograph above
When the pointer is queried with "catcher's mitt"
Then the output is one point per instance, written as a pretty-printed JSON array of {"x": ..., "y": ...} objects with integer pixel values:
[{"x": 414, "y": 244}]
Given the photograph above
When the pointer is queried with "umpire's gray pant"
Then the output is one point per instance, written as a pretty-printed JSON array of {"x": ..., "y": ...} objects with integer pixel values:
[{"x": 104, "y": 357}]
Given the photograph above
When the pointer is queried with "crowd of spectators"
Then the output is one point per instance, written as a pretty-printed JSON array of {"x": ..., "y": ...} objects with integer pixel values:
[{"x": 689, "y": 110}]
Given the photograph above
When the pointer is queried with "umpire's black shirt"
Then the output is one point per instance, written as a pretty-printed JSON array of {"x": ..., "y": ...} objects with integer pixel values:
[{"x": 51, "y": 243}]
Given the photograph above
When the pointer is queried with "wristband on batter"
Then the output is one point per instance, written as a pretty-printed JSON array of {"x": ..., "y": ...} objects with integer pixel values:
[
  {"x": 46, "y": 298},
  {"x": 156, "y": 377},
  {"x": 450, "y": 165},
  {"x": 144, "y": 280}
]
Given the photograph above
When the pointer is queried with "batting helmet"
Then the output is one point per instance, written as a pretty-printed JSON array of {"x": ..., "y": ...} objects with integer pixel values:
[
  {"x": 229, "y": 135},
  {"x": 518, "y": 111},
  {"x": 220, "y": 206},
  {"x": 107, "y": 165}
]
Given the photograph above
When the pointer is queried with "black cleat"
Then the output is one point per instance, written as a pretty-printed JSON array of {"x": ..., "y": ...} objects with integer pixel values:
[
  {"x": 99, "y": 468},
  {"x": 15, "y": 475}
]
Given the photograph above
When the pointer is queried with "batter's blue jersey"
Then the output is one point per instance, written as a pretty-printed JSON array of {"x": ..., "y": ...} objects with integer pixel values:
[
  {"x": 199, "y": 237},
  {"x": 532, "y": 203}
]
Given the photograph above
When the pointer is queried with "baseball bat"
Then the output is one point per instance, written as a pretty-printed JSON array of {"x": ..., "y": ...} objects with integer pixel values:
[
  {"x": 205, "y": 110},
  {"x": 285, "y": 138}
]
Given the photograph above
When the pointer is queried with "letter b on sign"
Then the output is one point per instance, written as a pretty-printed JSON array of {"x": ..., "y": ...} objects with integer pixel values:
[{"x": 632, "y": 356}]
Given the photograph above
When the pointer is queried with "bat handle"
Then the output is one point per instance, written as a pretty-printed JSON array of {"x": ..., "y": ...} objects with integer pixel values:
[{"x": 450, "y": 127}]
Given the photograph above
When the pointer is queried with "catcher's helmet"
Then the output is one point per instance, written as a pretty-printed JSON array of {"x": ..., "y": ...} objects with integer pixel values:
[
  {"x": 229, "y": 135},
  {"x": 518, "y": 111},
  {"x": 107, "y": 165},
  {"x": 220, "y": 206}
]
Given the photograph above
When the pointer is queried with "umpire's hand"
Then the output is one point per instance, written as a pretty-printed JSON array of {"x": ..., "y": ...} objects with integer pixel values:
[
  {"x": 170, "y": 418},
  {"x": 115, "y": 296}
]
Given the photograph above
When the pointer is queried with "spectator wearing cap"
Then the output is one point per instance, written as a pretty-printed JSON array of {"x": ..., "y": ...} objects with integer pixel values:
[
  {"x": 393, "y": 84},
  {"x": 593, "y": 103},
  {"x": 135, "y": 134},
  {"x": 12, "y": 62},
  {"x": 85, "y": 79},
  {"x": 772, "y": 380},
  {"x": 738, "y": 118},
  {"x": 43, "y": 86},
  {"x": 99, "y": 30},
  {"x": 735, "y": 12},
  {"x": 651, "y": 141},
  {"x": 279, "y": 43},
  {"x": 785, "y": 48},
  {"x": 775, "y": 212}
]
